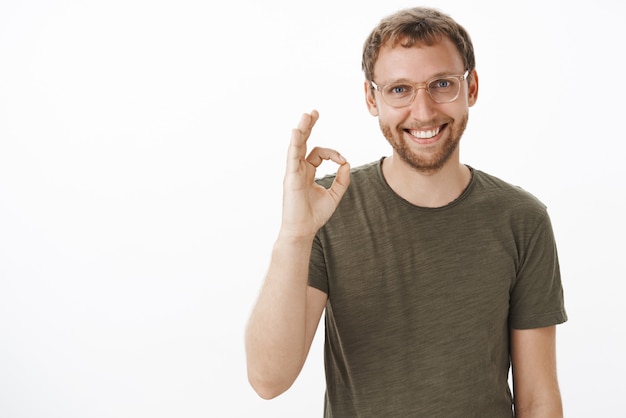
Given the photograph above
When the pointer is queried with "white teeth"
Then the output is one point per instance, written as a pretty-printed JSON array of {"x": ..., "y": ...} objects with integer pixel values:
[{"x": 425, "y": 134}]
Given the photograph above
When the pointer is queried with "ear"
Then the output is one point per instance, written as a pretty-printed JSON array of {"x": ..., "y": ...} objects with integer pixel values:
[
  {"x": 472, "y": 88},
  {"x": 370, "y": 100}
]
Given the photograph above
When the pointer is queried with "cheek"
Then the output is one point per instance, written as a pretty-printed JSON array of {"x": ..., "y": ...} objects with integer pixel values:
[{"x": 392, "y": 117}]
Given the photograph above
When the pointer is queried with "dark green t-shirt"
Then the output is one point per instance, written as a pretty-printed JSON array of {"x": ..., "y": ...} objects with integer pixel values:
[{"x": 421, "y": 299}]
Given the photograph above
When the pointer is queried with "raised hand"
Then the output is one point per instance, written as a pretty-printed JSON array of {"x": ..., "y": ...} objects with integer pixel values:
[{"x": 307, "y": 205}]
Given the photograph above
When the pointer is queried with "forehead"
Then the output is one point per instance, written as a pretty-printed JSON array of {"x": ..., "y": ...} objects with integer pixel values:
[{"x": 418, "y": 63}]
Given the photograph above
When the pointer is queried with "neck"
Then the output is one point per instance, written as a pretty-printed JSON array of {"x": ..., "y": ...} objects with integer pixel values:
[{"x": 426, "y": 189}]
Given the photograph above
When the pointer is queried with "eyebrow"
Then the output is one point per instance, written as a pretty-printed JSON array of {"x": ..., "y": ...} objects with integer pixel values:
[{"x": 441, "y": 74}]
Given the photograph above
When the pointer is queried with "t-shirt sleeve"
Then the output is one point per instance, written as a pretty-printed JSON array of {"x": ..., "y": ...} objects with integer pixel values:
[
  {"x": 318, "y": 277},
  {"x": 537, "y": 294}
]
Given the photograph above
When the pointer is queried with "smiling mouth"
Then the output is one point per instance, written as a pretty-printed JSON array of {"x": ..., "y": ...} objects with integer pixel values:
[{"x": 425, "y": 133}]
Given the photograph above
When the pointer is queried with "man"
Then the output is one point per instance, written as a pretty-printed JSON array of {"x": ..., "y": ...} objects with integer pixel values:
[{"x": 435, "y": 277}]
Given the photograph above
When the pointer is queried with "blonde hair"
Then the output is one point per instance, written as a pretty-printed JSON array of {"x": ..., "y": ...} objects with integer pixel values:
[{"x": 418, "y": 25}]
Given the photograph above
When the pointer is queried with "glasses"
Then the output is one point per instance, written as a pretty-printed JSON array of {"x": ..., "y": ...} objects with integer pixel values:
[{"x": 440, "y": 89}]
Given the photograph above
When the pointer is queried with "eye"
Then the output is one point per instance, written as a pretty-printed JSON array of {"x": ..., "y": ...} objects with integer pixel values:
[
  {"x": 441, "y": 84},
  {"x": 398, "y": 90}
]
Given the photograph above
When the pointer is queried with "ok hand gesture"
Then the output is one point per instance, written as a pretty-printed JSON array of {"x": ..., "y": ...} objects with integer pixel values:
[{"x": 307, "y": 206}]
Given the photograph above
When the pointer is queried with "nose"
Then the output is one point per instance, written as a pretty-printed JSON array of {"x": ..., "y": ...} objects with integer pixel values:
[{"x": 423, "y": 106}]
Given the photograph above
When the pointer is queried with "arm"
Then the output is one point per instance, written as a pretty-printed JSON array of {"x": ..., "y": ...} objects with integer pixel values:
[
  {"x": 535, "y": 384},
  {"x": 284, "y": 320}
]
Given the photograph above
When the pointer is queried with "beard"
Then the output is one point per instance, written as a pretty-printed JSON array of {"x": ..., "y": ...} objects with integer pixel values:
[{"x": 430, "y": 161}]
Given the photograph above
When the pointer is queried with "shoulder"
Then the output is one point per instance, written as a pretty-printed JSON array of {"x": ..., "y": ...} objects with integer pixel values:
[
  {"x": 509, "y": 206},
  {"x": 504, "y": 194}
]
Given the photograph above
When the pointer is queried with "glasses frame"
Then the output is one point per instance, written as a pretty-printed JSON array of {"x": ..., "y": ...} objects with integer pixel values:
[{"x": 418, "y": 86}]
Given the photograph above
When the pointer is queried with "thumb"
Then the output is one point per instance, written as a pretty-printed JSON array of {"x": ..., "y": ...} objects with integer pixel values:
[{"x": 341, "y": 183}]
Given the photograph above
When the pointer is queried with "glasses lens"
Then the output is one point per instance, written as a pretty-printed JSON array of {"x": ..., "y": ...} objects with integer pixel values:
[
  {"x": 398, "y": 94},
  {"x": 444, "y": 90}
]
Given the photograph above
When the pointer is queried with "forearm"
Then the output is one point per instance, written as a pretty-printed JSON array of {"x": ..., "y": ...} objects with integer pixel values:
[
  {"x": 276, "y": 333},
  {"x": 545, "y": 404},
  {"x": 551, "y": 409},
  {"x": 535, "y": 383}
]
